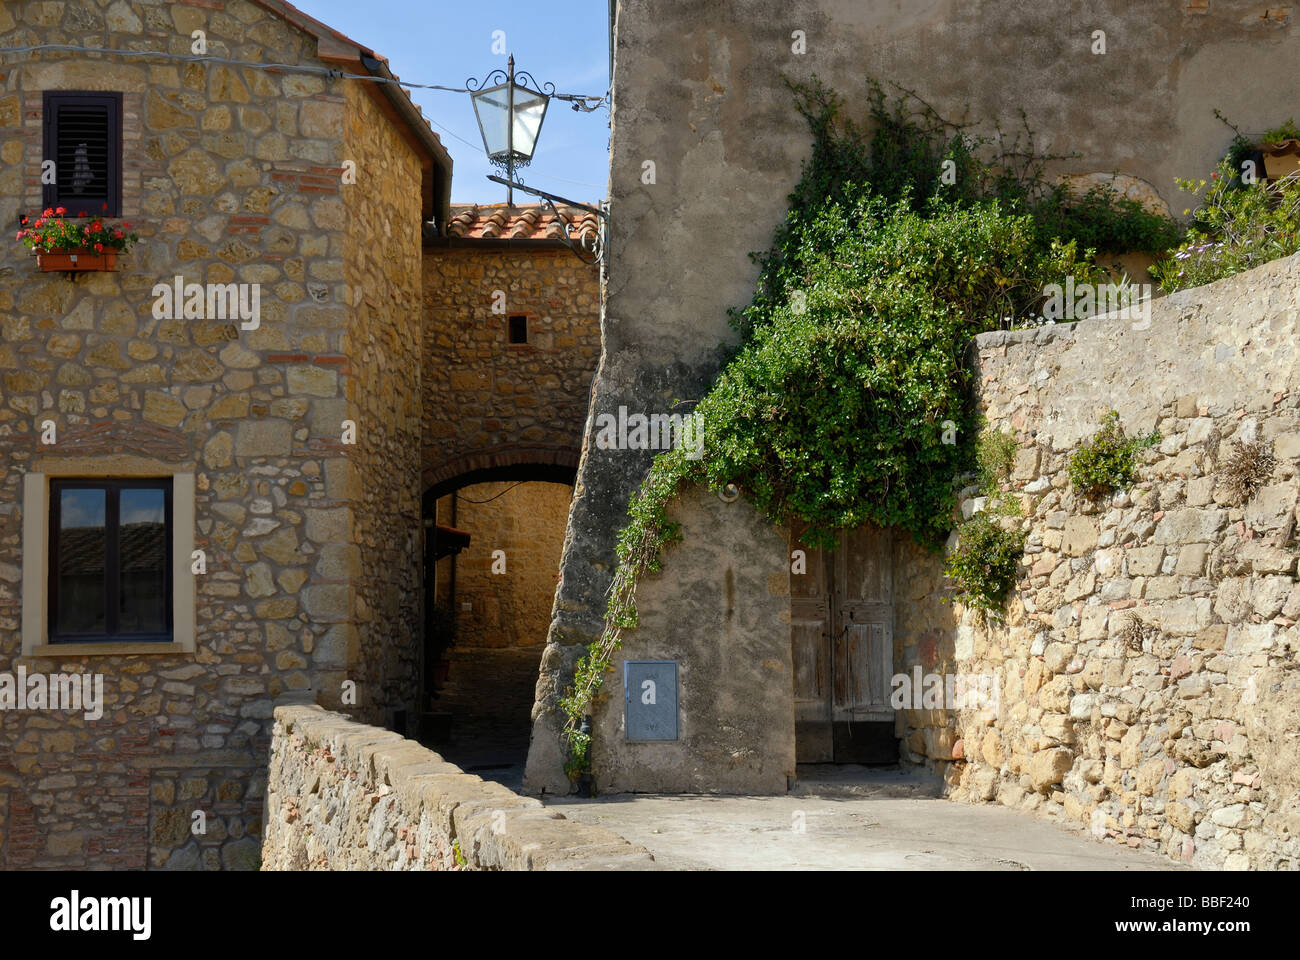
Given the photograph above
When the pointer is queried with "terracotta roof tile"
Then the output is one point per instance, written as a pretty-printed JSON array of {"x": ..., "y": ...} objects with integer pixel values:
[{"x": 529, "y": 221}]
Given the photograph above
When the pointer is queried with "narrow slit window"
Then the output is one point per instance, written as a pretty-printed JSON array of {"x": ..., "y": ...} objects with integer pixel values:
[{"x": 518, "y": 329}]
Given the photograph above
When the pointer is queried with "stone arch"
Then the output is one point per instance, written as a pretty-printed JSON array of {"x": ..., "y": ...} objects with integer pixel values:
[{"x": 551, "y": 463}]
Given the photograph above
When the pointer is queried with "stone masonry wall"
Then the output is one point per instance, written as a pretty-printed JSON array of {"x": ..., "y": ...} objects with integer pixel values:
[
  {"x": 526, "y": 522},
  {"x": 230, "y": 175},
  {"x": 382, "y": 551},
  {"x": 1176, "y": 735},
  {"x": 487, "y": 402},
  {"x": 343, "y": 796}
]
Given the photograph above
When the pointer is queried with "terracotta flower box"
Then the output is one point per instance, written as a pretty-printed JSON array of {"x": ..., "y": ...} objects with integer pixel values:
[{"x": 77, "y": 260}]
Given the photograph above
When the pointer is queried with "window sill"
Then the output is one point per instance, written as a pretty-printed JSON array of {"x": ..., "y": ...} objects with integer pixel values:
[{"x": 105, "y": 649}]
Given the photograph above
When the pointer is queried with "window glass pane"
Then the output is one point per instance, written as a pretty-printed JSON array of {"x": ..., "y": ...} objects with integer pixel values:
[
  {"x": 81, "y": 561},
  {"x": 142, "y": 546}
]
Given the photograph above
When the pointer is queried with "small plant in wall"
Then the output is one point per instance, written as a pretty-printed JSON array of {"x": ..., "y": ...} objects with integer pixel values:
[
  {"x": 995, "y": 452},
  {"x": 1108, "y": 461},
  {"x": 62, "y": 244},
  {"x": 1249, "y": 466},
  {"x": 986, "y": 560}
]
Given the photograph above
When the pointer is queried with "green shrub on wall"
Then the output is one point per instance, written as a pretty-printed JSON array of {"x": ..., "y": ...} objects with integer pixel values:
[
  {"x": 1108, "y": 461},
  {"x": 986, "y": 561},
  {"x": 1235, "y": 228},
  {"x": 995, "y": 453}
]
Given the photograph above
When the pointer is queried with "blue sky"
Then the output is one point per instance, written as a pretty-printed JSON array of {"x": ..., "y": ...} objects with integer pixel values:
[{"x": 449, "y": 41}]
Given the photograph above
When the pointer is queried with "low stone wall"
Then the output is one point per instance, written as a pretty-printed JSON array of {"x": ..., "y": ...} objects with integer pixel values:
[{"x": 345, "y": 796}]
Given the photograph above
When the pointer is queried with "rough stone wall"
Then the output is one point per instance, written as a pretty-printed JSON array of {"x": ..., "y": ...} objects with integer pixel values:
[
  {"x": 1181, "y": 737},
  {"x": 343, "y": 796},
  {"x": 489, "y": 403},
  {"x": 925, "y": 622},
  {"x": 525, "y": 522},
  {"x": 698, "y": 91},
  {"x": 230, "y": 175},
  {"x": 381, "y": 553}
]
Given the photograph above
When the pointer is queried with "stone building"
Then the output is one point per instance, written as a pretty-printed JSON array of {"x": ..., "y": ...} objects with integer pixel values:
[
  {"x": 272, "y": 464},
  {"x": 1164, "y": 750},
  {"x": 511, "y": 344}
]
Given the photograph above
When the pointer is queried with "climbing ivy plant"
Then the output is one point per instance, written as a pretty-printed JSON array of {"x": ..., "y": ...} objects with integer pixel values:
[{"x": 847, "y": 400}]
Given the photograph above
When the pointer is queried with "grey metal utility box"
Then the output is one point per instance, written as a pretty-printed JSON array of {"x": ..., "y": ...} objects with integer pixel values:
[{"x": 650, "y": 697}]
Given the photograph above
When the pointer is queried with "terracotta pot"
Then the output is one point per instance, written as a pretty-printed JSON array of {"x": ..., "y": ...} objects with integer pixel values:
[
  {"x": 1281, "y": 159},
  {"x": 77, "y": 260}
]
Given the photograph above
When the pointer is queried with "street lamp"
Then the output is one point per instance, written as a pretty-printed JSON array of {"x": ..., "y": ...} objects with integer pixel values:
[{"x": 510, "y": 116}]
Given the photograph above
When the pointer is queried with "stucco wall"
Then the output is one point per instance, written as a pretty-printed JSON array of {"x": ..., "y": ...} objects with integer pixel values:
[
  {"x": 698, "y": 91},
  {"x": 721, "y": 609}
]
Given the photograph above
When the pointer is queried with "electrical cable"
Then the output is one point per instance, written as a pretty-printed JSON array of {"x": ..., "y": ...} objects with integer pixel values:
[{"x": 489, "y": 499}]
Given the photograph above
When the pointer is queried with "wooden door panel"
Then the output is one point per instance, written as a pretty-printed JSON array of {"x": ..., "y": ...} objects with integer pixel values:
[
  {"x": 810, "y": 627},
  {"x": 863, "y": 667},
  {"x": 812, "y": 671},
  {"x": 810, "y": 585},
  {"x": 865, "y": 567}
]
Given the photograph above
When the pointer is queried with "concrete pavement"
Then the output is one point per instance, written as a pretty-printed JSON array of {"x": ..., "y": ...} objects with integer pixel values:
[{"x": 886, "y": 825}]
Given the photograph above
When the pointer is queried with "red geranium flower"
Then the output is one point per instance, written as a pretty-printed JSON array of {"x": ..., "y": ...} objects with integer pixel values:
[
  {"x": 99, "y": 248},
  {"x": 60, "y": 211},
  {"x": 23, "y": 219},
  {"x": 105, "y": 207},
  {"x": 47, "y": 212}
]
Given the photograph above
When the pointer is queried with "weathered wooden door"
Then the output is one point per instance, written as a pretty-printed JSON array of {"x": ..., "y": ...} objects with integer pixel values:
[{"x": 841, "y": 635}]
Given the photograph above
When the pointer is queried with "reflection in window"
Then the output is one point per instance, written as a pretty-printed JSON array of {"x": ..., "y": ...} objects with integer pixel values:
[
  {"x": 111, "y": 560},
  {"x": 81, "y": 552},
  {"x": 142, "y": 552}
]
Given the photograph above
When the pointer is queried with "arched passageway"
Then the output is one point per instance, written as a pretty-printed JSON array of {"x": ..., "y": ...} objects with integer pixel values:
[{"x": 495, "y": 537}]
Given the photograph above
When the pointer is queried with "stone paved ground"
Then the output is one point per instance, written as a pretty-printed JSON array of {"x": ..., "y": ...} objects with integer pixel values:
[{"x": 865, "y": 827}]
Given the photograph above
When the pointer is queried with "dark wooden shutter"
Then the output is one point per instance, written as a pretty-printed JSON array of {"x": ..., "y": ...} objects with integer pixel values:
[{"x": 83, "y": 136}]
